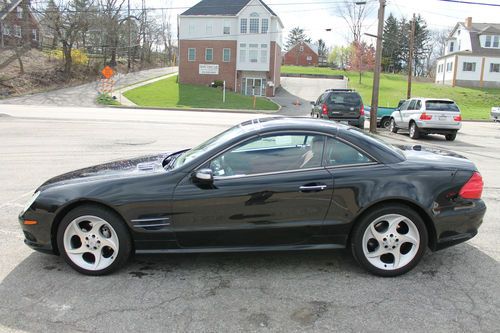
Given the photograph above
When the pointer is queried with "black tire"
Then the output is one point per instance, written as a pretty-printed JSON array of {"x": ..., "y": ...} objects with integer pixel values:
[
  {"x": 385, "y": 122},
  {"x": 364, "y": 222},
  {"x": 451, "y": 137},
  {"x": 361, "y": 125},
  {"x": 117, "y": 224},
  {"x": 414, "y": 131},
  {"x": 392, "y": 126}
]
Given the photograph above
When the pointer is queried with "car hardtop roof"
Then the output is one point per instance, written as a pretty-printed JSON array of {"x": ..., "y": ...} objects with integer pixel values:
[
  {"x": 341, "y": 90},
  {"x": 433, "y": 99},
  {"x": 291, "y": 123}
]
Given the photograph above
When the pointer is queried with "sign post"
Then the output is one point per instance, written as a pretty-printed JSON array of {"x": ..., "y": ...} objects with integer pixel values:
[{"x": 224, "y": 92}]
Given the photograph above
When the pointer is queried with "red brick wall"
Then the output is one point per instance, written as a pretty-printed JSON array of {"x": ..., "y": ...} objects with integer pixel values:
[
  {"x": 275, "y": 67},
  {"x": 298, "y": 58},
  {"x": 189, "y": 70},
  {"x": 11, "y": 19}
]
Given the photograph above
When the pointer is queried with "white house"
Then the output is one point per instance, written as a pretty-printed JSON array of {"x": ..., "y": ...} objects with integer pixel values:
[
  {"x": 472, "y": 56},
  {"x": 236, "y": 41}
]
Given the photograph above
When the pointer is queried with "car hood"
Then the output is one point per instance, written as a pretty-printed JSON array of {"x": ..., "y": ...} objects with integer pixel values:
[
  {"x": 438, "y": 157},
  {"x": 115, "y": 169}
]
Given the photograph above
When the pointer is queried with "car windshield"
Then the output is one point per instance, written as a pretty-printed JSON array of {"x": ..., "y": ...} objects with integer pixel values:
[
  {"x": 344, "y": 98},
  {"x": 208, "y": 145},
  {"x": 441, "y": 106}
]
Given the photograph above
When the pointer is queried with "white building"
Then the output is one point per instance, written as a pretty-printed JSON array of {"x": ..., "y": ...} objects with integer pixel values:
[
  {"x": 236, "y": 41},
  {"x": 472, "y": 56}
]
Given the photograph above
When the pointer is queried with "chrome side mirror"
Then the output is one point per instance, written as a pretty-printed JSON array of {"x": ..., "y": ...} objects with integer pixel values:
[{"x": 204, "y": 176}]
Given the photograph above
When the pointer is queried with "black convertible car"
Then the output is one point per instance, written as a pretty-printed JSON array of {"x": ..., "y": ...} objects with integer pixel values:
[{"x": 267, "y": 184}]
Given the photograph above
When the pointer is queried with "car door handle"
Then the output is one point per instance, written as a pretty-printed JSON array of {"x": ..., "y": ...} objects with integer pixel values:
[{"x": 313, "y": 188}]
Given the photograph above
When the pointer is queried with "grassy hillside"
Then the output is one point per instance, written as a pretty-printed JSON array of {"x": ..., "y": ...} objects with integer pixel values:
[
  {"x": 168, "y": 93},
  {"x": 475, "y": 103}
]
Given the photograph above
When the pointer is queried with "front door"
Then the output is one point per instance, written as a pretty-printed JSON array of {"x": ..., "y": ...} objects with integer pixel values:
[
  {"x": 269, "y": 191},
  {"x": 252, "y": 86}
]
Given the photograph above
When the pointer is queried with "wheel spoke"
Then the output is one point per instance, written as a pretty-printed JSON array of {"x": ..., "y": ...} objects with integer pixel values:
[
  {"x": 110, "y": 242},
  {"x": 97, "y": 255},
  {"x": 96, "y": 225},
  {"x": 393, "y": 223},
  {"x": 377, "y": 253},
  {"x": 397, "y": 257},
  {"x": 377, "y": 235},
  {"x": 81, "y": 250},
  {"x": 76, "y": 230},
  {"x": 408, "y": 239}
]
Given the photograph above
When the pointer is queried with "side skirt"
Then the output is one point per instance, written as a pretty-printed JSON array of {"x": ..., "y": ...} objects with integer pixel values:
[{"x": 246, "y": 249}]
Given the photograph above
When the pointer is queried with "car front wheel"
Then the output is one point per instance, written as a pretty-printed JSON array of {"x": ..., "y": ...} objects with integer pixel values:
[
  {"x": 390, "y": 240},
  {"x": 93, "y": 240},
  {"x": 385, "y": 122},
  {"x": 414, "y": 131},
  {"x": 392, "y": 126}
]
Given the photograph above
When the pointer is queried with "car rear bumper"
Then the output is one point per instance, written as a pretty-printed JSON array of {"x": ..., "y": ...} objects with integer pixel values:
[
  {"x": 458, "y": 225},
  {"x": 358, "y": 122},
  {"x": 495, "y": 116},
  {"x": 436, "y": 128}
]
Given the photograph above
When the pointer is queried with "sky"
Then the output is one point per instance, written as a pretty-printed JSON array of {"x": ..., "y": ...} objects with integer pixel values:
[{"x": 315, "y": 16}]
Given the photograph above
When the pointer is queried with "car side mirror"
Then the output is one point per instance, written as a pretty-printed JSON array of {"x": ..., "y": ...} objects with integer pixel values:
[{"x": 204, "y": 176}]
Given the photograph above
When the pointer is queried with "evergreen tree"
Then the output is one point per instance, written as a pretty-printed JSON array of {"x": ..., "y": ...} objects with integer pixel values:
[
  {"x": 391, "y": 51},
  {"x": 295, "y": 36}
]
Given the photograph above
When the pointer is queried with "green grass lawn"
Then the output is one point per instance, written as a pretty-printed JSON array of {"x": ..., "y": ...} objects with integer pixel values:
[
  {"x": 475, "y": 103},
  {"x": 169, "y": 94}
]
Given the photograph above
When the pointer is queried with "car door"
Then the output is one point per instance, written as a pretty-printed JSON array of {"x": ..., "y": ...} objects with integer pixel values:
[
  {"x": 399, "y": 115},
  {"x": 408, "y": 113},
  {"x": 268, "y": 191},
  {"x": 318, "y": 106}
]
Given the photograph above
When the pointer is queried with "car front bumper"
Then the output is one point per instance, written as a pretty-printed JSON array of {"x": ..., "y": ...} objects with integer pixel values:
[{"x": 38, "y": 236}]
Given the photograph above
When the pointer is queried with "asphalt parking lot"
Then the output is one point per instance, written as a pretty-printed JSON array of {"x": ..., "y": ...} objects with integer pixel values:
[{"x": 456, "y": 289}]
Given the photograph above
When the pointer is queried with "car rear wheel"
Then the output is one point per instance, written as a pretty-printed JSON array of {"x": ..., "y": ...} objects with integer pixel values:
[
  {"x": 390, "y": 240},
  {"x": 392, "y": 126},
  {"x": 93, "y": 240},
  {"x": 385, "y": 122},
  {"x": 451, "y": 137},
  {"x": 414, "y": 131}
]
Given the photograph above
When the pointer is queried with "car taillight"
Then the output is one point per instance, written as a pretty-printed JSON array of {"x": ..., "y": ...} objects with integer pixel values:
[
  {"x": 324, "y": 109},
  {"x": 457, "y": 118},
  {"x": 425, "y": 116},
  {"x": 473, "y": 188},
  {"x": 362, "y": 110}
]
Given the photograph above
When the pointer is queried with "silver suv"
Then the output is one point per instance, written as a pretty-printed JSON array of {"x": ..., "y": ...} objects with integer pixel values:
[{"x": 422, "y": 116}]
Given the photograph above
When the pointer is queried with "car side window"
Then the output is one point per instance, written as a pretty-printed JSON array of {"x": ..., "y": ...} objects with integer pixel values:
[
  {"x": 412, "y": 105},
  {"x": 321, "y": 98},
  {"x": 404, "y": 106},
  {"x": 338, "y": 153},
  {"x": 271, "y": 153},
  {"x": 419, "y": 105}
]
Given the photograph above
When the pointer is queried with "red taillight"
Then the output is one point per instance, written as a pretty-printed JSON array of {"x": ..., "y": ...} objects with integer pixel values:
[
  {"x": 457, "y": 118},
  {"x": 425, "y": 116},
  {"x": 324, "y": 109},
  {"x": 473, "y": 188},
  {"x": 362, "y": 110}
]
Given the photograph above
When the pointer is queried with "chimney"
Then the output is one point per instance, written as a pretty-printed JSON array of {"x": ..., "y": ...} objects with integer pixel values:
[{"x": 468, "y": 22}]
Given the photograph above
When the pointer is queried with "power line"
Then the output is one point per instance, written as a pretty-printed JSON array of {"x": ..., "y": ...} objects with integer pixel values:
[{"x": 472, "y": 3}]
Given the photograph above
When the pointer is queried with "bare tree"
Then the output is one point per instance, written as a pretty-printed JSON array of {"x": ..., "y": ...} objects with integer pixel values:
[{"x": 354, "y": 14}]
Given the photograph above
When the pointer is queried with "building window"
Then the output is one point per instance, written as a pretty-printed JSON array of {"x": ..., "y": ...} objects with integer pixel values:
[
  {"x": 265, "y": 26},
  {"x": 495, "y": 68},
  {"x": 208, "y": 29},
  {"x": 449, "y": 66},
  {"x": 34, "y": 34},
  {"x": 209, "y": 54},
  {"x": 17, "y": 31},
  {"x": 440, "y": 68},
  {"x": 243, "y": 26},
  {"x": 452, "y": 45},
  {"x": 253, "y": 53},
  {"x": 191, "y": 54},
  {"x": 469, "y": 67},
  {"x": 243, "y": 55},
  {"x": 191, "y": 29},
  {"x": 488, "y": 41},
  {"x": 263, "y": 56},
  {"x": 227, "y": 28},
  {"x": 495, "y": 41},
  {"x": 226, "y": 55},
  {"x": 254, "y": 26},
  {"x": 301, "y": 48},
  {"x": 6, "y": 30},
  {"x": 19, "y": 12}
]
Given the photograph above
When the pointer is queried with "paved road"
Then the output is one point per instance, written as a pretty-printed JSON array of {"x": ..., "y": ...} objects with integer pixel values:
[
  {"x": 309, "y": 89},
  {"x": 85, "y": 95},
  {"x": 457, "y": 289}
]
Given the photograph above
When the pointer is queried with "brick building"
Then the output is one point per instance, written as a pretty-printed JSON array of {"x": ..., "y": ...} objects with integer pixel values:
[
  {"x": 237, "y": 41},
  {"x": 302, "y": 54},
  {"x": 18, "y": 25}
]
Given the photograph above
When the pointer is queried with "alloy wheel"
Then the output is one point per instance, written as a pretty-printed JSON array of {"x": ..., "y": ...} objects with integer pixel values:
[
  {"x": 91, "y": 242},
  {"x": 391, "y": 242}
]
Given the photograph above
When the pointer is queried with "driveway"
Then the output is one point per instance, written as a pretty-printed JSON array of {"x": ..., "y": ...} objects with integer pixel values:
[
  {"x": 453, "y": 290},
  {"x": 85, "y": 95}
]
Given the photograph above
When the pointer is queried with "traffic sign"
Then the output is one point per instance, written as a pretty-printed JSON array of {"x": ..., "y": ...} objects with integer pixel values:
[{"x": 107, "y": 72}]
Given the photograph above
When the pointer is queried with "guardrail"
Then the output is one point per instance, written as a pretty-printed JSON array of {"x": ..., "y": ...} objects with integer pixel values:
[{"x": 316, "y": 76}]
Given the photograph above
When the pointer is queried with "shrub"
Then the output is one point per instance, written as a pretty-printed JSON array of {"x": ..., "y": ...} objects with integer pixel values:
[{"x": 79, "y": 57}]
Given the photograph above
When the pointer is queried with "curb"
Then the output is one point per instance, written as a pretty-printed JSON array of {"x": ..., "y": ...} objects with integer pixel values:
[{"x": 270, "y": 112}]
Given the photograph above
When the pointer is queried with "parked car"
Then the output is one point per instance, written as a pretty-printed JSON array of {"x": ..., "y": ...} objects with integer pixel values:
[
  {"x": 421, "y": 116},
  {"x": 495, "y": 113},
  {"x": 383, "y": 114},
  {"x": 342, "y": 105},
  {"x": 268, "y": 184}
]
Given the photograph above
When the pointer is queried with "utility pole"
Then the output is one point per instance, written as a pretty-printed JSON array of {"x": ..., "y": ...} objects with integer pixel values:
[
  {"x": 410, "y": 56},
  {"x": 376, "y": 71}
]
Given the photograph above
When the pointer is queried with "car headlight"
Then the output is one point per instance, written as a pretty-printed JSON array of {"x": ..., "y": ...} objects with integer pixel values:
[{"x": 30, "y": 202}]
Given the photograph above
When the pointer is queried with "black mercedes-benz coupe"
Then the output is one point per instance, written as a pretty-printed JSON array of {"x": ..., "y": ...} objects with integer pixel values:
[{"x": 268, "y": 184}]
